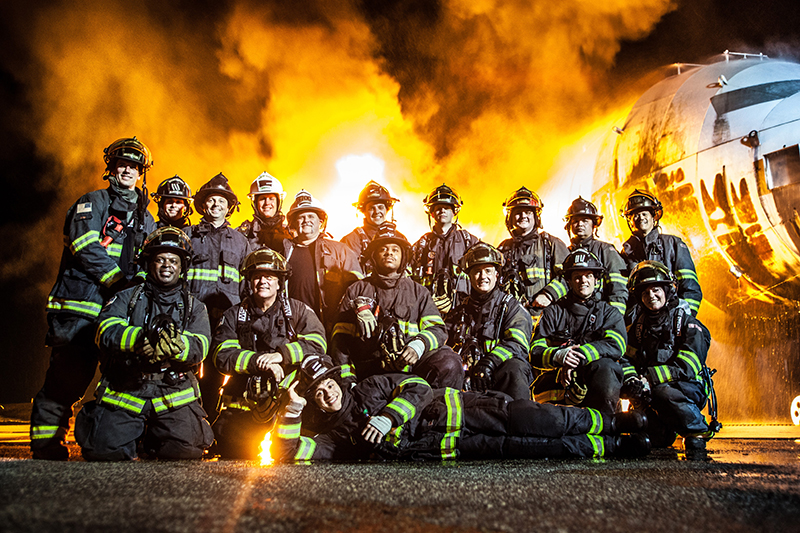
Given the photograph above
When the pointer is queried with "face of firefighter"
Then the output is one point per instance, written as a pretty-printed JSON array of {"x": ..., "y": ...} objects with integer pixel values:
[
  {"x": 389, "y": 257},
  {"x": 216, "y": 209},
  {"x": 523, "y": 219},
  {"x": 265, "y": 286},
  {"x": 654, "y": 297},
  {"x": 642, "y": 222},
  {"x": 581, "y": 227},
  {"x": 376, "y": 212},
  {"x": 267, "y": 205},
  {"x": 166, "y": 269},
  {"x": 174, "y": 208},
  {"x": 443, "y": 216},
  {"x": 483, "y": 278},
  {"x": 328, "y": 396},
  {"x": 581, "y": 282},
  {"x": 127, "y": 173},
  {"x": 308, "y": 226}
]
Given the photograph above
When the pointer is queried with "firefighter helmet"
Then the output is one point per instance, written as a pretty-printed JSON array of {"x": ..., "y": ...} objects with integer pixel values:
[
  {"x": 388, "y": 234},
  {"x": 639, "y": 200},
  {"x": 304, "y": 201},
  {"x": 374, "y": 192},
  {"x": 266, "y": 183},
  {"x": 216, "y": 185},
  {"x": 129, "y": 149},
  {"x": 166, "y": 239},
  {"x": 267, "y": 260},
  {"x": 481, "y": 253},
  {"x": 312, "y": 372},
  {"x": 651, "y": 273},
  {"x": 523, "y": 198},
  {"x": 582, "y": 259},
  {"x": 443, "y": 194},
  {"x": 583, "y": 208}
]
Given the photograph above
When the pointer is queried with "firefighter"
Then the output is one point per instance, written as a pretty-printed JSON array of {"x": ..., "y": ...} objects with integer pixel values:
[
  {"x": 259, "y": 343},
  {"x": 532, "y": 255},
  {"x": 321, "y": 268},
  {"x": 664, "y": 366},
  {"x": 151, "y": 337},
  {"x": 490, "y": 330},
  {"x": 173, "y": 198},
  {"x": 397, "y": 416},
  {"x": 267, "y": 229},
  {"x": 103, "y": 232},
  {"x": 375, "y": 202},
  {"x": 582, "y": 220},
  {"x": 434, "y": 257},
  {"x": 214, "y": 274},
  {"x": 388, "y": 323},
  {"x": 578, "y": 342},
  {"x": 643, "y": 212}
]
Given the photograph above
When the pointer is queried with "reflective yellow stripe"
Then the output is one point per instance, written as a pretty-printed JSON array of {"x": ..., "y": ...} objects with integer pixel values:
[
  {"x": 306, "y": 450},
  {"x": 89, "y": 309},
  {"x": 597, "y": 422},
  {"x": 84, "y": 240},
  {"x": 598, "y": 445},
  {"x": 449, "y": 442}
]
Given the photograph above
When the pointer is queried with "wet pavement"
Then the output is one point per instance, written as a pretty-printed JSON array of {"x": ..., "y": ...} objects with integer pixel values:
[{"x": 747, "y": 484}]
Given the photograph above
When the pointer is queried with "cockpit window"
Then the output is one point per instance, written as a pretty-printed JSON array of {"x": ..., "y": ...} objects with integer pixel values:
[{"x": 783, "y": 167}]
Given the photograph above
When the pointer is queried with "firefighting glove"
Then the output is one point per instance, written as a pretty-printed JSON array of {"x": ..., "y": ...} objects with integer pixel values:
[
  {"x": 367, "y": 323},
  {"x": 482, "y": 374},
  {"x": 377, "y": 428},
  {"x": 170, "y": 344},
  {"x": 443, "y": 303},
  {"x": 575, "y": 392},
  {"x": 635, "y": 388}
]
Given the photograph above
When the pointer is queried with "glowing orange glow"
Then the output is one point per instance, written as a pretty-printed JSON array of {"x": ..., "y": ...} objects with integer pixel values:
[
  {"x": 266, "y": 458},
  {"x": 624, "y": 404}
]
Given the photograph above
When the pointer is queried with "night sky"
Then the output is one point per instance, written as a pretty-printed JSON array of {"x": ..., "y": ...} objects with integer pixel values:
[{"x": 430, "y": 53}]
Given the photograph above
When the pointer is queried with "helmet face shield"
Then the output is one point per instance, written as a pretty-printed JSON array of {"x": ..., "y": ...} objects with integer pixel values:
[
  {"x": 481, "y": 253},
  {"x": 267, "y": 261},
  {"x": 443, "y": 194},
  {"x": 639, "y": 200},
  {"x": 128, "y": 149}
]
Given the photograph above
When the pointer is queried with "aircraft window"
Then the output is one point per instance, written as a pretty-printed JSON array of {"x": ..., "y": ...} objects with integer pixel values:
[{"x": 783, "y": 167}]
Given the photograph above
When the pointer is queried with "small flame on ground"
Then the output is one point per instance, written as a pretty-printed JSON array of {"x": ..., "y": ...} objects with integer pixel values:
[
  {"x": 624, "y": 404},
  {"x": 266, "y": 458}
]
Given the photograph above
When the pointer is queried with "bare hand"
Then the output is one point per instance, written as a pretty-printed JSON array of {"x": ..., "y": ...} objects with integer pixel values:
[
  {"x": 573, "y": 358},
  {"x": 293, "y": 396},
  {"x": 565, "y": 377},
  {"x": 372, "y": 435},
  {"x": 409, "y": 355},
  {"x": 266, "y": 359},
  {"x": 541, "y": 300}
]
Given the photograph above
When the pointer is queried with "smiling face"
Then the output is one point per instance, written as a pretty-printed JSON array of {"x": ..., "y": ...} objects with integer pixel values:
[
  {"x": 216, "y": 208},
  {"x": 654, "y": 297},
  {"x": 267, "y": 205},
  {"x": 642, "y": 222},
  {"x": 175, "y": 208},
  {"x": 328, "y": 395},
  {"x": 376, "y": 212},
  {"x": 523, "y": 219},
  {"x": 165, "y": 268},
  {"x": 483, "y": 278},
  {"x": 308, "y": 225},
  {"x": 265, "y": 286},
  {"x": 581, "y": 282},
  {"x": 127, "y": 173}
]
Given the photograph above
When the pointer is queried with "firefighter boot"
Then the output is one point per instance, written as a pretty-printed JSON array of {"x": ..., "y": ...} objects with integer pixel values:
[
  {"x": 628, "y": 422},
  {"x": 634, "y": 445},
  {"x": 695, "y": 448}
]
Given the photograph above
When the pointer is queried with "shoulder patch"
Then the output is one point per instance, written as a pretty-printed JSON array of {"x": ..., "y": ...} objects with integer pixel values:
[{"x": 85, "y": 207}]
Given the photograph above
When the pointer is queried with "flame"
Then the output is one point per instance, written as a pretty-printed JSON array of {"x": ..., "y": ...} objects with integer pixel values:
[{"x": 266, "y": 458}]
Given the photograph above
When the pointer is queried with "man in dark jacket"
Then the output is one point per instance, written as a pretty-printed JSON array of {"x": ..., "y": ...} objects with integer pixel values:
[
  {"x": 103, "y": 232},
  {"x": 260, "y": 344},
  {"x": 578, "y": 342},
  {"x": 490, "y": 330},
  {"x": 643, "y": 212},
  {"x": 665, "y": 363},
  {"x": 375, "y": 202},
  {"x": 435, "y": 256},
  {"x": 388, "y": 323},
  {"x": 267, "y": 229},
  {"x": 397, "y": 416},
  {"x": 532, "y": 255},
  {"x": 173, "y": 198},
  {"x": 151, "y": 336},
  {"x": 214, "y": 274}
]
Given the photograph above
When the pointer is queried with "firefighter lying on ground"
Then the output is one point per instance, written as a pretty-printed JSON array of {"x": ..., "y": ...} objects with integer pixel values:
[
  {"x": 643, "y": 213},
  {"x": 388, "y": 323},
  {"x": 375, "y": 202},
  {"x": 103, "y": 231},
  {"x": 434, "y": 257},
  {"x": 490, "y": 330},
  {"x": 665, "y": 363},
  {"x": 532, "y": 255},
  {"x": 578, "y": 342},
  {"x": 397, "y": 416},
  {"x": 151, "y": 336},
  {"x": 259, "y": 343}
]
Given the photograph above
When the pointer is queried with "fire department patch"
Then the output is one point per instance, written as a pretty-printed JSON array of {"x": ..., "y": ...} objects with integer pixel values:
[{"x": 84, "y": 208}]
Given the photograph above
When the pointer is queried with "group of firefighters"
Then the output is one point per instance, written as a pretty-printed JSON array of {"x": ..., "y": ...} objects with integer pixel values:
[{"x": 370, "y": 347}]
